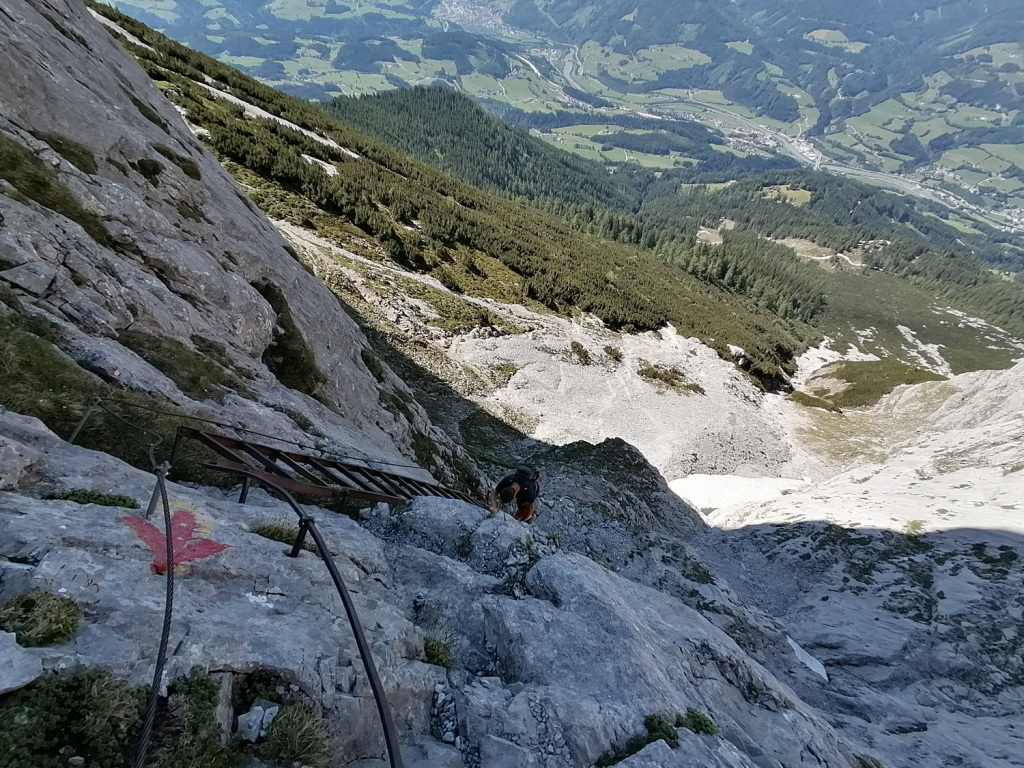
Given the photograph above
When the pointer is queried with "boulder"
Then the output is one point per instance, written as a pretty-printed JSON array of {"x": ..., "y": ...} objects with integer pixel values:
[
  {"x": 18, "y": 667},
  {"x": 17, "y": 464}
]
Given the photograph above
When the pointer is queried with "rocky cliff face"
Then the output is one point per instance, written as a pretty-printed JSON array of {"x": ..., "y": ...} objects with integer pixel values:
[
  {"x": 117, "y": 225},
  {"x": 553, "y": 659},
  {"x": 807, "y": 632},
  {"x": 903, "y": 574}
]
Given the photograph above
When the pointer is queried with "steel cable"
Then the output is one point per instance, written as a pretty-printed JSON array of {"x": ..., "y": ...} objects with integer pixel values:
[
  {"x": 142, "y": 745},
  {"x": 160, "y": 470}
]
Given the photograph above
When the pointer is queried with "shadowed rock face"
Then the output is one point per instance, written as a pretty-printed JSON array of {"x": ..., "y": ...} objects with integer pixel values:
[{"x": 171, "y": 246}]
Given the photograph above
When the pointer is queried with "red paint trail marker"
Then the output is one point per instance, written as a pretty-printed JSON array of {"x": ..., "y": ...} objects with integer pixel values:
[{"x": 189, "y": 542}]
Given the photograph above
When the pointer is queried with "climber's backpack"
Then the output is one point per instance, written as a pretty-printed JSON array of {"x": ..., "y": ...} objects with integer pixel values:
[{"x": 528, "y": 473}]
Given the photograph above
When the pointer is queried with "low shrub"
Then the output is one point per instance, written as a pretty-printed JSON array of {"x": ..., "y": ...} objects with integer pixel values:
[
  {"x": 579, "y": 353},
  {"x": 696, "y": 721},
  {"x": 85, "y": 713},
  {"x": 298, "y": 736},
  {"x": 667, "y": 378},
  {"x": 438, "y": 652},
  {"x": 658, "y": 728}
]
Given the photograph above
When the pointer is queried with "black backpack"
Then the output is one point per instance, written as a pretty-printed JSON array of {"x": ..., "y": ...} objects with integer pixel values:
[{"x": 528, "y": 473}]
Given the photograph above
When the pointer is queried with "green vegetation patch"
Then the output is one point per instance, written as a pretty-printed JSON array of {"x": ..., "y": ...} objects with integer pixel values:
[
  {"x": 77, "y": 154},
  {"x": 668, "y": 378},
  {"x": 298, "y": 736},
  {"x": 188, "y": 734},
  {"x": 149, "y": 113},
  {"x": 35, "y": 180},
  {"x": 85, "y": 714},
  {"x": 289, "y": 357},
  {"x": 286, "y": 534},
  {"x": 870, "y": 381},
  {"x": 456, "y": 315},
  {"x": 150, "y": 169},
  {"x": 438, "y": 652},
  {"x": 785, "y": 192},
  {"x": 86, "y": 496},
  {"x": 187, "y": 165},
  {"x": 810, "y": 401},
  {"x": 40, "y": 618},
  {"x": 697, "y": 721},
  {"x": 195, "y": 375},
  {"x": 658, "y": 728},
  {"x": 36, "y": 379},
  {"x": 579, "y": 354}
]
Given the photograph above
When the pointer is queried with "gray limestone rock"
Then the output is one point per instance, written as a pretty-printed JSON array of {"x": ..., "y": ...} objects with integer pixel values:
[
  {"x": 35, "y": 277},
  {"x": 17, "y": 464},
  {"x": 693, "y": 750},
  {"x": 500, "y": 753},
  {"x": 226, "y": 277},
  {"x": 18, "y": 667}
]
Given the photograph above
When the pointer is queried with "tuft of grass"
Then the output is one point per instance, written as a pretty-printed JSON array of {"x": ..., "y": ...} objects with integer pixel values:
[
  {"x": 289, "y": 357},
  {"x": 657, "y": 728},
  {"x": 149, "y": 113},
  {"x": 697, "y": 721},
  {"x": 86, "y": 496},
  {"x": 186, "y": 164},
  {"x": 579, "y": 353},
  {"x": 77, "y": 154},
  {"x": 286, "y": 534},
  {"x": 34, "y": 179},
  {"x": 913, "y": 528},
  {"x": 868, "y": 382},
  {"x": 664, "y": 377},
  {"x": 85, "y": 713},
  {"x": 614, "y": 353},
  {"x": 298, "y": 736},
  {"x": 150, "y": 169},
  {"x": 40, "y": 618},
  {"x": 438, "y": 652},
  {"x": 194, "y": 374},
  {"x": 810, "y": 401},
  {"x": 188, "y": 734}
]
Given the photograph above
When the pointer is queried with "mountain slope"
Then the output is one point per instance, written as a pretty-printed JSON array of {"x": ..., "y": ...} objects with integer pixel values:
[
  {"x": 127, "y": 244},
  {"x": 836, "y": 216},
  {"x": 428, "y": 221},
  {"x": 443, "y": 128}
]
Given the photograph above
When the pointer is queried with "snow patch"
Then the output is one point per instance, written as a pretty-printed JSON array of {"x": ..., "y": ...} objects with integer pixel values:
[
  {"x": 715, "y": 492},
  {"x": 807, "y": 660}
]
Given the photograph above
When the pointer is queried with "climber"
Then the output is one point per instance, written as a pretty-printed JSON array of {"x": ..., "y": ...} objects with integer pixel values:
[{"x": 522, "y": 485}]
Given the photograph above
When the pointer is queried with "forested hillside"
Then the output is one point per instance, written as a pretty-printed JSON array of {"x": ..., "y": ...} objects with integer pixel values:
[
  {"x": 636, "y": 207},
  {"x": 428, "y": 221},
  {"x": 623, "y": 247}
]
